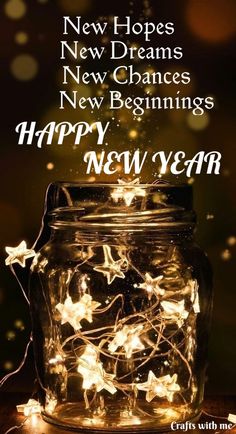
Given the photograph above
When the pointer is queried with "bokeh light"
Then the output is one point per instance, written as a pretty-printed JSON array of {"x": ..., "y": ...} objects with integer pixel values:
[
  {"x": 226, "y": 255},
  {"x": 213, "y": 20},
  {"x": 75, "y": 6},
  {"x": 24, "y": 67},
  {"x": 198, "y": 123},
  {"x": 15, "y": 9},
  {"x": 50, "y": 166},
  {"x": 8, "y": 365},
  {"x": 19, "y": 325},
  {"x": 21, "y": 38},
  {"x": 10, "y": 335},
  {"x": 231, "y": 241},
  {"x": 133, "y": 134}
]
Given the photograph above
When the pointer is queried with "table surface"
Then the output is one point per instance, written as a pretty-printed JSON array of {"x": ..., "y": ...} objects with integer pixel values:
[{"x": 216, "y": 407}]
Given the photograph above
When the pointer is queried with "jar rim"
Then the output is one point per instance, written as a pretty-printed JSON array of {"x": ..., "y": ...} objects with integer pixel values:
[{"x": 157, "y": 206}]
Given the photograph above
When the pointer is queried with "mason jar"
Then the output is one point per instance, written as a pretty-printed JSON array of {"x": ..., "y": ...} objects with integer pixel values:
[{"x": 121, "y": 300}]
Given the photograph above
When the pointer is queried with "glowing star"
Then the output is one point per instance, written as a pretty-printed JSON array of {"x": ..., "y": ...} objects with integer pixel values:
[
  {"x": 163, "y": 387},
  {"x": 128, "y": 338},
  {"x": 73, "y": 313},
  {"x": 127, "y": 191},
  {"x": 193, "y": 285},
  {"x": 174, "y": 311},
  {"x": 111, "y": 269},
  {"x": 31, "y": 407},
  {"x": 93, "y": 373},
  {"x": 232, "y": 418},
  {"x": 19, "y": 254},
  {"x": 152, "y": 286}
]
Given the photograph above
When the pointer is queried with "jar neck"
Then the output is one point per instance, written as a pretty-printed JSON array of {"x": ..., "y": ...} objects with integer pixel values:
[{"x": 171, "y": 235}]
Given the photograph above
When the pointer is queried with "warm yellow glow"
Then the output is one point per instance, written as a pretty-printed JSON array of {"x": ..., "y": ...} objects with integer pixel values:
[
  {"x": 19, "y": 254},
  {"x": 111, "y": 269},
  {"x": 24, "y": 67},
  {"x": 127, "y": 191},
  {"x": 74, "y": 313},
  {"x": 232, "y": 418},
  {"x": 93, "y": 373},
  {"x": 51, "y": 405},
  {"x": 163, "y": 387},
  {"x": 31, "y": 407},
  {"x": 174, "y": 311},
  {"x": 21, "y": 38},
  {"x": 15, "y": 9},
  {"x": 128, "y": 338},
  {"x": 152, "y": 286},
  {"x": 198, "y": 123},
  {"x": 50, "y": 166},
  {"x": 133, "y": 134}
]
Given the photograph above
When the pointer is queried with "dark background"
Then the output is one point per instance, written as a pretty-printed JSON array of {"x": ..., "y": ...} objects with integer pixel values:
[{"x": 30, "y": 91}]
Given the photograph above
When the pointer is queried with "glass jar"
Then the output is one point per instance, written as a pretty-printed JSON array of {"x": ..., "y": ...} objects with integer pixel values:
[{"x": 121, "y": 301}]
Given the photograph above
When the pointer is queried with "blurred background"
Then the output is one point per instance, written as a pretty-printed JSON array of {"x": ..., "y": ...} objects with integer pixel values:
[{"x": 31, "y": 76}]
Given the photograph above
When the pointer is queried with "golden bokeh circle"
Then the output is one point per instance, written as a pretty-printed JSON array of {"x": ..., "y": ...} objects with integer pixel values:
[
  {"x": 21, "y": 38},
  {"x": 24, "y": 67},
  {"x": 15, "y": 9},
  {"x": 198, "y": 123}
]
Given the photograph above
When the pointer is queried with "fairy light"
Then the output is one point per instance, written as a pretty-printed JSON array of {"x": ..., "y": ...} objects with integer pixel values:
[
  {"x": 30, "y": 408},
  {"x": 99, "y": 351},
  {"x": 127, "y": 191},
  {"x": 74, "y": 313},
  {"x": 151, "y": 286},
  {"x": 51, "y": 405},
  {"x": 19, "y": 254},
  {"x": 111, "y": 269},
  {"x": 232, "y": 418},
  {"x": 93, "y": 373},
  {"x": 128, "y": 338},
  {"x": 163, "y": 387},
  {"x": 174, "y": 311}
]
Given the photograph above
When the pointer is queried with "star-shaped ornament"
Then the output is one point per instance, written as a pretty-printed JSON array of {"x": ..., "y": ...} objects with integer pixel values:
[
  {"x": 93, "y": 373},
  {"x": 19, "y": 254},
  {"x": 111, "y": 269},
  {"x": 174, "y": 311},
  {"x": 31, "y": 407},
  {"x": 152, "y": 286},
  {"x": 163, "y": 387},
  {"x": 128, "y": 338},
  {"x": 73, "y": 313},
  {"x": 127, "y": 191}
]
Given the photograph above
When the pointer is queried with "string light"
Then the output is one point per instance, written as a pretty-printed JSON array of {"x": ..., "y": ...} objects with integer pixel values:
[
  {"x": 111, "y": 269},
  {"x": 232, "y": 418},
  {"x": 127, "y": 191},
  {"x": 31, "y": 407},
  {"x": 74, "y": 313},
  {"x": 174, "y": 311},
  {"x": 106, "y": 356},
  {"x": 162, "y": 387},
  {"x": 93, "y": 373},
  {"x": 128, "y": 338},
  {"x": 19, "y": 254},
  {"x": 152, "y": 286}
]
